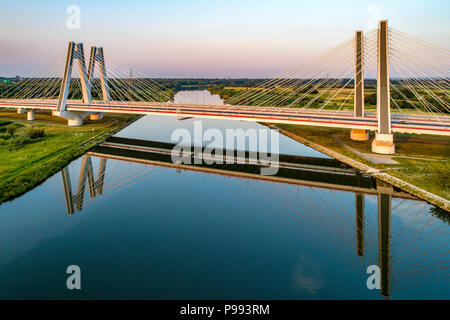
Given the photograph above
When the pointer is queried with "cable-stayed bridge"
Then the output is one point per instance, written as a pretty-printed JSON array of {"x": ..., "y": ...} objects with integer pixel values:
[{"x": 332, "y": 90}]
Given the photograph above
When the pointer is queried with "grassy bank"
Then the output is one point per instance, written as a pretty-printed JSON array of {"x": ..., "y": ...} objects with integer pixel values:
[
  {"x": 423, "y": 161},
  {"x": 32, "y": 151}
]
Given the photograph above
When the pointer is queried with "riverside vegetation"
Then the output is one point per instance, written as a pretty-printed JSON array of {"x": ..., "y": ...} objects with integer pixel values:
[{"x": 30, "y": 152}]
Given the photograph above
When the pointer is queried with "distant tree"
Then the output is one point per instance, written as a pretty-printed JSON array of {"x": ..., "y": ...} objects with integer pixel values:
[{"x": 371, "y": 99}]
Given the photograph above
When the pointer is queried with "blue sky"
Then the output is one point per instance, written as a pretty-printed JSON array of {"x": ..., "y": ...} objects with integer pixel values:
[{"x": 199, "y": 38}]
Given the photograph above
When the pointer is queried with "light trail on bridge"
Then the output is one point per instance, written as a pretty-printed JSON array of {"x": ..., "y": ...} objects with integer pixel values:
[{"x": 400, "y": 123}]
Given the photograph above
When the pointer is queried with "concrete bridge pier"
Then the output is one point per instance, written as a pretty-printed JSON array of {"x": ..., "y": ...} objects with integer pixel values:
[
  {"x": 359, "y": 135},
  {"x": 75, "y": 122},
  {"x": 384, "y": 139},
  {"x": 30, "y": 115},
  {"x": 74, "y": 119},
  {"x": 96, "y": 116},
  {"x": 20, "y": 111}
]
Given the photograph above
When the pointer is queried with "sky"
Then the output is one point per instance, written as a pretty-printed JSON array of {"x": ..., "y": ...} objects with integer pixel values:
[{"x": 203, "y": 38}]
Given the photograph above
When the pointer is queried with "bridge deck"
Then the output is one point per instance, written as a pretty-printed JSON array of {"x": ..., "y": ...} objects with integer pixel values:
[{"x": 420, "y": 124}]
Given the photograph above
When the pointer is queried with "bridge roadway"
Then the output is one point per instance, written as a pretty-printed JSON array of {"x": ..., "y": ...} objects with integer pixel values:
[
  {"x": 309, "y": 171},
  {"x": 419, "y": 124}
]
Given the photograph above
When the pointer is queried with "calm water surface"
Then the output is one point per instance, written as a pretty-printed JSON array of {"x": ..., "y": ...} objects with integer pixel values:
[{"x": 162, "y": 233}]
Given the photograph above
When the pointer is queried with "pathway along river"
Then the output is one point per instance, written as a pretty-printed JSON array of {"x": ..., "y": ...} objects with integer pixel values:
[{"x": 157, "y": 232}]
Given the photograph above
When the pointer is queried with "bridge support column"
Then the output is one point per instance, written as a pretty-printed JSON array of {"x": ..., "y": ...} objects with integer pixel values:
[
  {"x": 74, "y": 118},
  {"x": 75, "y": 122},
  {"x": 97, "y": 56},
  {"x": 359, "y": 134},
  {"x": 383, "y": 143},
  {"x": 30, "y": 115},
  {"x": 384, "y": 139},
  {"x": 20, "y": 111},
  {"x": 96, "y": 116}
]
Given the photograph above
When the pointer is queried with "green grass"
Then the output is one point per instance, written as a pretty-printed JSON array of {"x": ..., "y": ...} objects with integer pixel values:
[
  {"x": 410, "y": 145},
  {"x": 323, "y": 137},
  {"x": 431, "y": 172},
  {"x": 432, "y": 176},
  {"x": 24, "y": 165}
]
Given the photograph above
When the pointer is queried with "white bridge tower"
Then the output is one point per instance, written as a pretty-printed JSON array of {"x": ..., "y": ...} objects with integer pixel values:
[{"x": 75, "y": 51}]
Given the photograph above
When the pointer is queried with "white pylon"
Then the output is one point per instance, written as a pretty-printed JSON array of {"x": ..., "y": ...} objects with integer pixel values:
[{"x": 76, "y": 52}]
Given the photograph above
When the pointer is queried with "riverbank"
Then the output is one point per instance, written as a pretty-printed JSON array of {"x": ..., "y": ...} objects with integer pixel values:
[
  {"x": 32, "y": 151},
  {"x": 421, "y": 165}
]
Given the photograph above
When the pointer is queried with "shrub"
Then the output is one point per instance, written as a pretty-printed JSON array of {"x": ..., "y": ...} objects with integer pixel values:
[
  {"x": 35, "y": 133},
  {"x": 441, "y": 174},
  {"x": 371, "y": 99},
  {"x": 5, "y": 136},
  {"x": 30, "y": 136},
  {"x": 11, "y": 130},
  {"x": 19, "y": 142}
]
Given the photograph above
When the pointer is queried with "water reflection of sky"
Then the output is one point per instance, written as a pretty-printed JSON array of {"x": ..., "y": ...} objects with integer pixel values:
[{"x": 161, "y": 233}]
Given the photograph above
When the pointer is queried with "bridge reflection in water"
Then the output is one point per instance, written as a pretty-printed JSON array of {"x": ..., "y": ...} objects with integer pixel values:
[
  {"x": 74, "y": 202},
  {"x": 297, "y": 170}
]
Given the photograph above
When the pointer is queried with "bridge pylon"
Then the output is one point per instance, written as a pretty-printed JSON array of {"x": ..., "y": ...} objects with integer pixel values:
[
  {"x": 97, "y": 56},
  {"x": 75, "y": 51},
  {"x": 359, "y": 134},
  {"x": 384, "y": 139}
]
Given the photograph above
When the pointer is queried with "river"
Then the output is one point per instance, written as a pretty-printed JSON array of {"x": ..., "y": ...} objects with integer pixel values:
[{"x": 156, "y": 232}]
